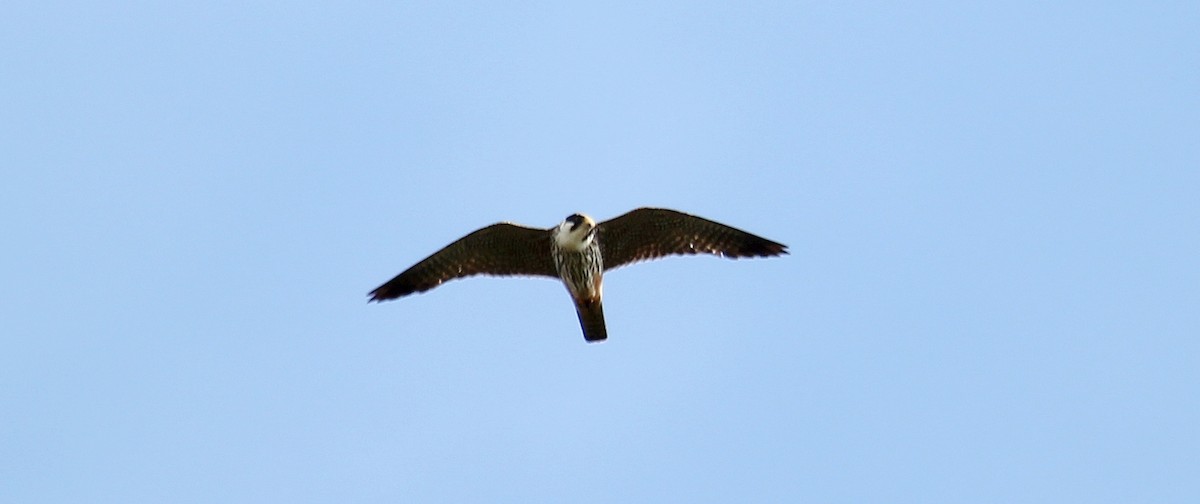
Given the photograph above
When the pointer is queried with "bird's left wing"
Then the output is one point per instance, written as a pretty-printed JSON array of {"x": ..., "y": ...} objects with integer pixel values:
[
  {"x": 650, "y": 233},
  {"x": 500, "y": 249}
]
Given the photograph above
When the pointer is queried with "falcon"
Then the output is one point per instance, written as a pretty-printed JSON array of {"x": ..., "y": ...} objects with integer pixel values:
[{"x": 578, "y": 251}]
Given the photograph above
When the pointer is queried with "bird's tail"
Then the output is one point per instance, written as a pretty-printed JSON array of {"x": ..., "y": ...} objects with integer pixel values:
[{"x": 591, "y": 319}]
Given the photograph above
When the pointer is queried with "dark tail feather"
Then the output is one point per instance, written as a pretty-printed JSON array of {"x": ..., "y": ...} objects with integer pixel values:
[{"x": 591, "y": 319}]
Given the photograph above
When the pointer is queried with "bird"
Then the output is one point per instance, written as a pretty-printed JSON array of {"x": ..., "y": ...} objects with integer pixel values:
[{"x": 577, "y": 251}]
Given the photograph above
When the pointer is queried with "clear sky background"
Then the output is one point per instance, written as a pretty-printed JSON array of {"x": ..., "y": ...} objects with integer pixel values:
[{"x": 993, "y": 212}]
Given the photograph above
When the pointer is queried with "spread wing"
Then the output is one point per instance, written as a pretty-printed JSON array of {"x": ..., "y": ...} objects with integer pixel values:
[
  {"x": 650, "y": 233},
  {"x": 499, "y": 249}
]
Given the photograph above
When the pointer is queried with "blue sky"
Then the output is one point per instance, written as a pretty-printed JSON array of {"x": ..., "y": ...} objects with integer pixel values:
[{"x": 992, "y": 212}]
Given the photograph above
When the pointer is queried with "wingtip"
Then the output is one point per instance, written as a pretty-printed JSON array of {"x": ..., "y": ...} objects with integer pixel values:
[
  {"x": 393, "y": 289},
  {"x": 380, "y": 295},
  {"x": 771, "y": 249}
]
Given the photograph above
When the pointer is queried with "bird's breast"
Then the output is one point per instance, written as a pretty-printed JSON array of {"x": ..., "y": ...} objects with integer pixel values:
[{"x": 581, "y": 271}]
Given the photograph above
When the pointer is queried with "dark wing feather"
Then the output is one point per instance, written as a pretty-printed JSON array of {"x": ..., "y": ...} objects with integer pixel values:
[
  {"x": 499, "y": 249},
  {"x": 650, "y": 233}
]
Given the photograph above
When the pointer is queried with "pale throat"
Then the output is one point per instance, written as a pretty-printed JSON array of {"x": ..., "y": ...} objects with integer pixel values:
[{"x": 573, "y": 241}]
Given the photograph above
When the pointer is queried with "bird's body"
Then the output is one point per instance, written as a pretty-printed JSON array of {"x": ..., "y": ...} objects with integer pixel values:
[
  {"x": 580, "y": 265},
  {"x": 578, "y": 251}
]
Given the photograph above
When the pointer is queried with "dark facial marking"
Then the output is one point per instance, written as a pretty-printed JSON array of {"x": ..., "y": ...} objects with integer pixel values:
[{"x": 575, "y": 220}]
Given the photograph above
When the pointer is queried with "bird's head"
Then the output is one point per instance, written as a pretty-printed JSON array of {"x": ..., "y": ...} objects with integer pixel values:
[{"x": 576, "y": 232}]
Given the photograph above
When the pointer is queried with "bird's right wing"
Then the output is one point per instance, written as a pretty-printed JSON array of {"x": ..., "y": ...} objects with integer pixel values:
[{"x": 500, "y": 249}]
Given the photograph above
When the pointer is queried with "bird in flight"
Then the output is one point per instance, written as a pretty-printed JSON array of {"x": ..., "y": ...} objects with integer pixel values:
[{"x": 578, "y": 251}]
